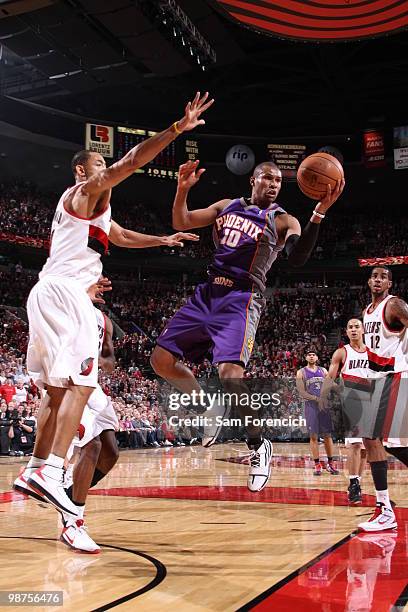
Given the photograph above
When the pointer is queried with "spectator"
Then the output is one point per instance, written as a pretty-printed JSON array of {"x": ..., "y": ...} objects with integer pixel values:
[{"x": 8, "y": 390}]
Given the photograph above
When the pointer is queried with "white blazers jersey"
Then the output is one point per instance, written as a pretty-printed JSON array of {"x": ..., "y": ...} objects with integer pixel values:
[
  {"x": 100, "y": 318},
  {"x": 386, "y": 349},
  {"x": 355, "y": 367},
  {"x": 77, "y": 244}
]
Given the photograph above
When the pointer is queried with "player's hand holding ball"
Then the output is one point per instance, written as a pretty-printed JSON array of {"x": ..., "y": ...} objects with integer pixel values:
[{"x": 321, "y": 177}]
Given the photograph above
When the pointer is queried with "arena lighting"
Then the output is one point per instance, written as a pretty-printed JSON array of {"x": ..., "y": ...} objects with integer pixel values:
[{"x": 185, "y": 34}]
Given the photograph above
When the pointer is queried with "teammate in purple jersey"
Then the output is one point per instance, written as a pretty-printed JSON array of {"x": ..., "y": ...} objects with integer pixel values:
[
  {"x": 223, "y": 314},
  {"x": 309, "y": 382}
]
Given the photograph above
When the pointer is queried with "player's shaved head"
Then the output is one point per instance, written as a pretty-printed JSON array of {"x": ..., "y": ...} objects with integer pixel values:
[
  {"x": 354, "y": 321},
  {"x": 264, "y": 165}
]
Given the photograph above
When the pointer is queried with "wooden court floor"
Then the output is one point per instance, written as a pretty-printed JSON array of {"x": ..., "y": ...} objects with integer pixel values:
[{"x": 180, "y": 531}]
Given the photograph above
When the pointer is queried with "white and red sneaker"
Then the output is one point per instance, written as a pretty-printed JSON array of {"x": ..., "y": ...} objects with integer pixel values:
[
  {"x": 260, "y": 467},
  {"x": 382, "y": 519},
  {"x": 75, "y": 536},
  {"x": 318, "y": 469},
  {"x": 48, "y": 480},
  {"x": 21, "y": 485}
]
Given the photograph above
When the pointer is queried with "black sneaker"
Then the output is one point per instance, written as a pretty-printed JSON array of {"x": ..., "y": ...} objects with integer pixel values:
[{"x": 354, "y": 492}]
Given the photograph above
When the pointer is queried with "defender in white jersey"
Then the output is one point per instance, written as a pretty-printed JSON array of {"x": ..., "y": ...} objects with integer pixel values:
[
  {"x": 385, "y": 329},
  {"x": 63, "y": 343},
  {"x": 351, "y": 362}
]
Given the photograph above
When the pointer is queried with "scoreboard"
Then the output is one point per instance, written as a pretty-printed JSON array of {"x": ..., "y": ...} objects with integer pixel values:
[
  {"x": 164, "y": 165},
  {"x": 116, "y": 141}
]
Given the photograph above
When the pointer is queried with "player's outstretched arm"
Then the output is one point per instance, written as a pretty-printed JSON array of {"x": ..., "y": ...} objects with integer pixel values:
[
  {"x": 147, "y": 150},
  {"x": 121, "y": 237},
  {"x": 107, "y": 360},
  {"x": 184, "y": 219},
  {"x": 300, "y": 385},
  {"x": 299, "y": 246}
]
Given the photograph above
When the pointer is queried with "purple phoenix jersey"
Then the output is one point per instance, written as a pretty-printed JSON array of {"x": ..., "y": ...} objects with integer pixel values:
[
  {"x": 318, "y": 421},
  {"x": 247, "y": 242},
  {"x": 222, "y": 316}
]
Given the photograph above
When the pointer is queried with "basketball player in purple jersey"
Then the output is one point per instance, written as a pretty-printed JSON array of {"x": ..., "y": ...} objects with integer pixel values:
[
  {"x": 223, "y": 314},
  {"x": 309, "y": 382}
]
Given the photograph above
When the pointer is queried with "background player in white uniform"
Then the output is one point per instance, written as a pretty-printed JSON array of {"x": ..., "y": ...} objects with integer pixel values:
[
  {"x": 351, "y": 362},
  {"x": 385, "y": 332},
  {"x": 97, "y": 443},
  {"x": 63, "y": 345}
]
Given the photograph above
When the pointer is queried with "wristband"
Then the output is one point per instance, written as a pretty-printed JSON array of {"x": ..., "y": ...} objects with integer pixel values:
[
  {"x": 175, "y": 127},
  {"x": 315, "y": 212}
]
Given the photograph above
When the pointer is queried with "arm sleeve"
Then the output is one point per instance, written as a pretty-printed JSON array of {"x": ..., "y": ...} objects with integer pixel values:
[{"x": 299, "y": 248}]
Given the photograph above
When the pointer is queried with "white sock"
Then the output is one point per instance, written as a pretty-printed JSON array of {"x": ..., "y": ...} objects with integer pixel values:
[
  {"x": 34, "y": 463},
  {"x": 383, "y": 498},
  {"x": 55, "y": 461},
  {"x": 70, "y": 469},
  {"x": 352, "y": 476},
  {"x": 81, "y": 510}
]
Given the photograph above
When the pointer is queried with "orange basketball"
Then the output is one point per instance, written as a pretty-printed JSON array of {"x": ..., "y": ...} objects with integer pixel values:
[{"x": 316, "y": 172}]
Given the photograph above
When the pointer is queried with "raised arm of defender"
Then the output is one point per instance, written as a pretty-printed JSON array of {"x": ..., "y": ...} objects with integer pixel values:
[
  {"x": 184, "y": 219},
  {"x": 137, "y": 157}
]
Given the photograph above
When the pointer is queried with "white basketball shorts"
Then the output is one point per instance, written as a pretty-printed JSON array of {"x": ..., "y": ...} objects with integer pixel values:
[{"x": 63, "y": 338}]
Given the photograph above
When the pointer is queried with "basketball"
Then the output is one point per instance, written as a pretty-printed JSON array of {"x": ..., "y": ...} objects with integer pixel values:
[{"x": 316, "y": 172}]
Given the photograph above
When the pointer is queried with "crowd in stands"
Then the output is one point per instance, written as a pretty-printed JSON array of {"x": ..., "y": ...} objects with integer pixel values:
[
  {"x": 292, "y": 322},
  {"x": 26, "y": 215}
]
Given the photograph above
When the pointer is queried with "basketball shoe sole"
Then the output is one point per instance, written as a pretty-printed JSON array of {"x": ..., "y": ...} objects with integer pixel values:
[{"x": 21, "y": 485}]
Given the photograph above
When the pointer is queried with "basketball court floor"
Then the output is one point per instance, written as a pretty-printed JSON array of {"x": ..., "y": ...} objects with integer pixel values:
[{"x": 180, "y": 531}]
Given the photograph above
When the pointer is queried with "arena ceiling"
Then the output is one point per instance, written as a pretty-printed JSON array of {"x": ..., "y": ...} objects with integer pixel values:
[
  {"x": 114, "y": 60},
  {"x": 320, "y": 20}
]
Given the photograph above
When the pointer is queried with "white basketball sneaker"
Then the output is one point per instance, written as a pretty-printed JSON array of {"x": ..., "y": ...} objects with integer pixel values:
[
  {"x": 260, "y": 466},
  {"x": 48, "y": 480},
  {"x": 382, "y": 519},
  {"x": 75, "y": 536},
  {"x": 214, "y": 423},
  {"x": 21, "y": 485}
]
